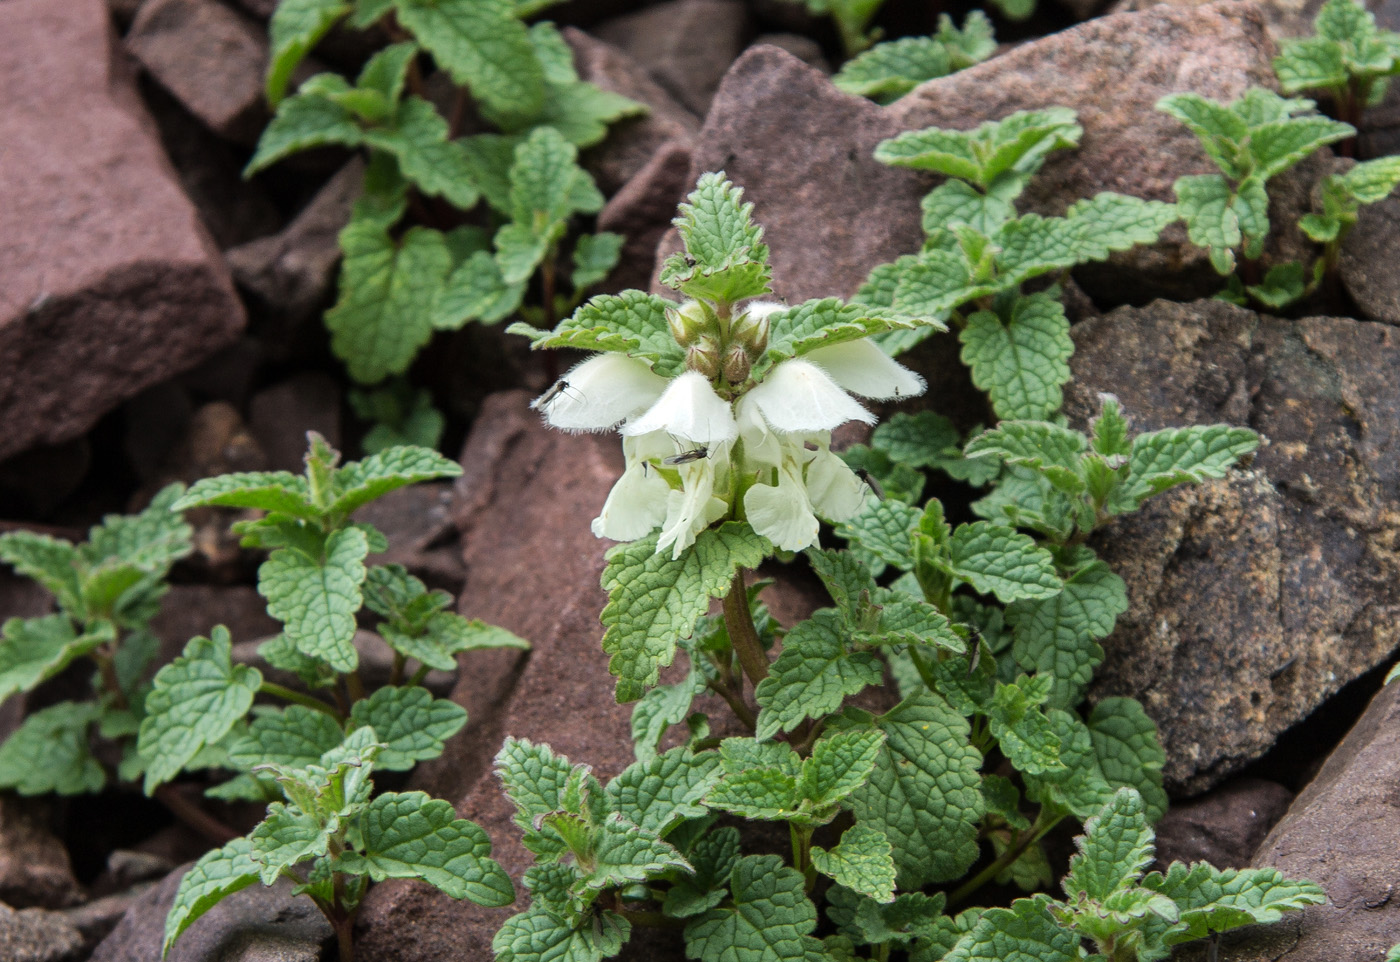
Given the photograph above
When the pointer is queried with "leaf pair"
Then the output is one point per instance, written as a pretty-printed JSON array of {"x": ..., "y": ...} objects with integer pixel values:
[
  {"x": 890, "y": 70},
  {"x": 1350, "y": 57}
]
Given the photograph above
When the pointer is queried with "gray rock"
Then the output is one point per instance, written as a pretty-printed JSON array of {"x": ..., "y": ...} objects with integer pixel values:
[
  {"x": 37, "y": 935},
  {"x": 797, "y": 145},
  {"x": 280, "y": 416},
  {"x": 687, "y": 45},
  {"x": 258, "y": 924},
  {"x": 210, "y": 57},
  {"x": 632, "y": 143},
  {"x": 802, "y": 47},
  {"x": 111, "y": 283},
  {"x": 418, "y": 522},
  {"x": 1224, "y": 827},
  {"x": 1254, "y": 598},
  {"x": 1342, "y": 832},
  {"x": 1367, "y": 263},
  {"x": 290, "y": 274},
  {"x": 34, "y": 865}
]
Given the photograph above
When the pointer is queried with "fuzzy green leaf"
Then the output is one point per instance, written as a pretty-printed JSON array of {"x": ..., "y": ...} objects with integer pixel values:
[
  {"x": 418, "y": 140},
  {"x": 49, "y": 561},
  {"x": 713, "y": 858},
  {"x": 1023, "y": 363},
  {"x": 659, "y": 709},
  {"x": 1080, "y": 786},
  {"x": 295, "y": 737},
  {"x": 1128, "y": 751},
  {"x": 1021, "y": 729},
  {"x": 626, "y": 853},
  {"x": 476, "y": 290},
  {"x": 1026, "y": 932},
  {"x": 812, "y": 675},
  {"x": 659, "y": 794},
  {"x": 412, "y": 724},
  {"x": 884, "y": 529},
  {"x": 595, "y": 255},
  {"x": 1017, "y": 142},
  {"x": 1212, "y": 900},
  {"x": 863, "y": 862},
  {"x": 654, "y": 600},
  {"x": 150, "y": 540},
  {"x": 195, "y": 701},
  {"x": 1220, "y": 130},
  {"x": 274, "y": 491},
  {"x": 309, "y": 119},
  {"x": 633, "y": 323},
  {"x": 761, "y": 793},
  {"x": 387, "y": 289},
  {"x": 33, "y": 650},
  {"x": 998, "y": 560},
  {"x": 316, "y": 599},
  {"x": 725, "y": 257},
  {"x": 768, "y": 922},
  {"x": 1109, "y": 222},
  {"x": 285, "y": 837},
  {"x": 49, "y": 752},
  {"x": 1311, "y": 63},
  {"x": 360, "y": 482},
  {"x": 539, "y": 936},
  {"x": 1048, "y": 449},
  {"x": 839, "y": 765},
  {"x": 888, "y": 71},
  {"x": 1278, "y": 146},
  {"x": 1057, "y": 637},
  {"x": 1164, "y": 459},
  {"x": 1207, "y": 205},
  {"x": 296, "y": 27},
  {"x": 410, "y": 835},
  {"x": 534, "y": 778},
  {"x": 215, "y": 876},
  {"x": 1114, "y": 851},
  {"x": 794, "y": 331},
  {"x": 483, "y": 46},
  {"x": 924, "y": 793}
]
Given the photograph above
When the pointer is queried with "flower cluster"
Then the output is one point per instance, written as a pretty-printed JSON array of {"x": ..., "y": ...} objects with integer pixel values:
[{"x": 713, "y": 442}]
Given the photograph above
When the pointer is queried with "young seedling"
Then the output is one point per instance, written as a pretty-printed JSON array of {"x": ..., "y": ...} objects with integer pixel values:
[
  {"x": 1342, "y": 197},
  {"x": 1251, "y": 140},
  {"x": 890, "y": 70},
  {"x": 979, "y": 252},
  {"x": 1349, "y": 59}
]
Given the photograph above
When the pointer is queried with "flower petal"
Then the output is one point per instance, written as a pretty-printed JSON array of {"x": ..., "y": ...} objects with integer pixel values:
[
  {"x": 862, "y": 368},
  {"x": 690, "y": 510},
  {"x": 781, "y": 512},
  {"x": 689, "y": 410},
  {"x": 599, "y": 392},
  {"x": 636, "y": 505},
  {"x": 762, "y": 448},
  {"x": 799, "y": 396},
  {"x": 836, "y": 493}
]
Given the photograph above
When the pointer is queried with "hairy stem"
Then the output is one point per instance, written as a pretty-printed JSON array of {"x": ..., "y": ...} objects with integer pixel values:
[
  {"x": 298, "y": 698},
  {"x": 742, "y": 633},
  {"x": 1024, "y": 840},
  {"x": 735, "y": 700}
]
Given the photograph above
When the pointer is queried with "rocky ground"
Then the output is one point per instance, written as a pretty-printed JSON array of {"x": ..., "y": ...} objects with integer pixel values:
[{"x": 159, "y": 320}]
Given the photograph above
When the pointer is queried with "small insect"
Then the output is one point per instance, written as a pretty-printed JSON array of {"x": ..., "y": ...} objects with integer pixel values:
[
  {"x": 976, "y": 648},
  {"x": 869, "y": 479},
  {"x": 685, "y": 457},
  {"x": 547, "y": 398}
]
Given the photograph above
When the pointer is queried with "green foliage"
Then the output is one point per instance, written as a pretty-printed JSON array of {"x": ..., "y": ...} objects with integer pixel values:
[
  {"x": 1349, "y": 58},
  {"x": 890, "y": 70}
]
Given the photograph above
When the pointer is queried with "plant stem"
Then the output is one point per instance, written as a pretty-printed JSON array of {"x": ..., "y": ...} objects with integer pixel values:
[
  {"x": 297, "y": 698},
  {"x": 354, "y": 687},
  {"x": 1023, "y": 841},
  {"x": 735, "y": 700},
  {"x": 652, "y": 920},
  {"x": 194, "y": 816},
  {"x": 742, "y": 633},
  {"x": 396, "y": 676},
  {"x": 802, "y": 853}
]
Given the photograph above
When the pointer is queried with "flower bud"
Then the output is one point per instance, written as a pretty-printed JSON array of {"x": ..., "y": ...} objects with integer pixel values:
[
  {"x": 690, "y": 321},
  {"x": 736, "y": 364},
  {"x": 703, "y": 356},
  {"x": 751, "y": 331}
]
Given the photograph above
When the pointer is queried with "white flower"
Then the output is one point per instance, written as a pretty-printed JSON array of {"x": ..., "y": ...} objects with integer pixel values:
[
  {"x": 799, "y": 396},
  {"x": 637, "y": 502},
  {"x": 782, "y": 513},
  {"x": 599, "y": 392},
  {"x": 689, "y": 410},
  {"x": 862, "y": 368}
]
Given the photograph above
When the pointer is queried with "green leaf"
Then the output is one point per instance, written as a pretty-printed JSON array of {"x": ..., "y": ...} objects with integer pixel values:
[
  {"x": 410, "y": 835},
  {"x": 1026, "y": 932},
  {"x": 217, "y": 875},
  {"x": 1017, "y": 142},
  {"x": 534, "y": 779},
  {"x": 713, "y": 857},
  {"x": 1207, "y": 205},
  {"x": 387, "y": 289},
  {"x": 624, "y": 853},
  {"x": 641, "y": 635},
  {"x": 1128, "y": 751},
  {"x": 1164, "y": 459},
  {"x": 316, "y": 599},
  {"x": 285, "y": 837},
  {"x": 476, "y": 290},
  {"x": 1021, "y": 364},
  {"x": 1050, "y": 450},
  {"x": 885, "y": 529},
  {"x": 538, "y": 936},
  {"x": 657, "y": 795},
  {"x": 659, "y": 709},
  {"x": 1080, "y": 786},
  {"x": 1109, "y": 222},
  {"x": 770, "y": 920},
  {"x": 812, "y": 675},
  {"x": 542, "y": 179},
  {"x": 1212, "y": 900},
  {"x": 863, "y": 862},
  {"x": 761, "y": 793},
  {"x": 933, "y": 284},
  {"x": 49, "y": 752},
  {"x": 1311, "y": 63},
  {"x": 1283, "y": 284},
  {"x": 839, "y": 765},
  {"x": 795, "y": 331},
  {"x": 1022, "y": 731},
  {"x": 998, "y": 560},
  {"x": 1220, "y": 130},
  {"x": 1280, "y": 145},
  {"x": 195, "y": 701},
  {"x": 274, "y": 491},
  {"x": 150, "y": 540},
  {"x": 412, "y": 724},
  {"x": 309, "y": 119},
  {"x": 33, "y": 650},
  {"x": 631, "y": 323},
  {"x": 418, "y": 140},
  {"x": 1057, "y": 637},
  {"x": 846, "y": 578},
  {"x": 483, "y": 46},
  {"x": 725, "y": 259},
  {"x": 295, "y": 737},
  {"x": 49, "y": 561},
  {"x": 581, "y": 111},
  {"x": 1371, "y": 181},
  {"x": 296, "y": 27},
  {"x": 924, "y": 792},
  {"x": 1114, "y": 851},
  {"x": 595, "y": 255},
  {"x": 888, "y": 71},
  {"x": 360, "y": 482}
]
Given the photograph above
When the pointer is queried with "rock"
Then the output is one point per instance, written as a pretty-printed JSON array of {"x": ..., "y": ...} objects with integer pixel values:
[
  {"x": 36, "y": 935},
  {"x": 1365, "y": 265},
  {"x": 1342, "y": 832},
  {"x": 797, "y": 145},
  {"x": 802, "y": 47},
  {"x": 217, "y": 441},
  {"x": 687, "y": 45},
  {"x": 39, "y": 480},
  {"x": 634, "y": 142},
  {"x": 291, "y": 274},
  {"x": 111, "y": 284},
  {"x": 211, "y": 58},
  {"x": 417, "y": 520},
  {"x": 1254, "y": 598},
  {"x": 1223, "y": 827},
  {"x": 235, "y": 210},
  {"x": 525, "y": 486},
  {"x": 34, "y": 866},
  {"x": 1284, "y": 18},
  {"x": 95, "y": 920},
  {"x": 280, "y": 417},
  {"x": 188, "y": 611},
  {"x": 258, "y": 924},
  {"x": 642, "y": 212}
]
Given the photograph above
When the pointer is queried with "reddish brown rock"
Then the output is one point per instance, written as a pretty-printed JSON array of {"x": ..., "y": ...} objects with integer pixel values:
[
  {"x": 210, "y": 57},
  {"x": 280, "y": 416},
  {"x": 1254, "y": 598},
  {"x": 111, "y": 284},
  {"x": 1224, "y": 827},
  {"x": 34, "y": 865},
  {"x": 642, "y": 212},
  {"x": 799, "y": 146}
]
